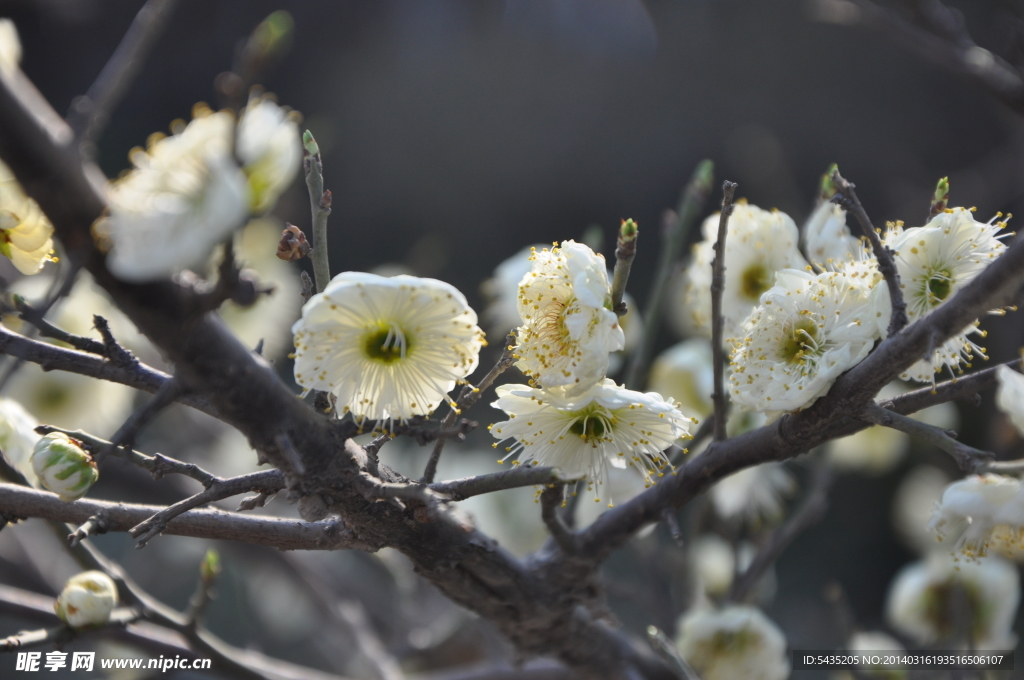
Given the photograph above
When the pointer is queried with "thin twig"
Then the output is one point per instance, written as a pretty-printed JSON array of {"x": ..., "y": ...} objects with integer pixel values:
[
  {"x": 373, "y": 448},
  {"x": 167, "y": 394},
  {"x": 675, "y": 229},
  {"x": 158, "y": 465},
  {"x": 48, "y": 330},
  {"x": 661, "y": 644},
  {"x": 51, "y": 357},
  {"x": 209, "y": 570},
  {"x": 90, "y": 113},
  {"x": 809, "y": 513},
  {"x": 284, "y": 534},
  {"x": 94, "y": 526},
  {"x": 320, "y": 205},
  {"x": 467, "y": 397},
  {"x": 846, "y": 197},
  {"x": 968, "y": 458},
  {"x": 112, "y": 348},
  {"x": 717, "y": 319},
  {"x": 550, "y": 500},
  {"x": 384, "y": 665},
  {"x": 625, "y": 252},
  {"x": 264, "y": 480},
  {"x": 526, "y": 475},
  {"x": 671, "y": 517}
]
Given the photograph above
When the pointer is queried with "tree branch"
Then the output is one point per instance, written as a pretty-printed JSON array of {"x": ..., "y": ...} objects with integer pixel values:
[
  {"x": 846, "y": 197},
  {"x": 625, "y": 251},
  {"x": 968, "y": 458},
  {"x": 719, "y": 397},
  {"x": 550, "y": 501},
  {"x": 528, "y": 475}
]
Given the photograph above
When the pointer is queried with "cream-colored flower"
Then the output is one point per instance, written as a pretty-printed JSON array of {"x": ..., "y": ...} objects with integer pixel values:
[
  {"x": 10, "y": 46},
  {"x": 715, "y": 563},
  {"x": 1010, "y": 396},
  {"x": 582, "y": 434},
  {"x": 972, "y": 508},
  {"x": 872, "y": 642},
  {"x": 18, "y": 435},
  {"x": 807, "y": 330},
  {"x": 826, "y": 237},
  {"x": 759, "y": 244},
  {"x": 387, "y": 348},
  {"x": 568, "y": 327},
  {"x": 270, "y": 149},
  {"x": 684, "y": 373},
  {"x": 26, "y": 235},
  {"x": 87, "y": 600},
  {"x": 923, "y": 599},
  {"x": 185, "y": 194},
  {"x": 934, "y": 262},
  {"x": 736, "y": 642}
]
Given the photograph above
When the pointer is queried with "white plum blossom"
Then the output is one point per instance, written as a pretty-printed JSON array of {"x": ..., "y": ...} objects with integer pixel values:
[
  {"x": 826, "y": 237},
  {"x": 86, "y": 600},
  {"x": 973, "y": 508},
  {"x": 922, "y": 599},
  {"x": 934, "y": 262},
  {"x": 387, "y": 348},
  {"x": 759, "y": 244},
  {"x": 1010, "y": 396},
  {"x": 18, "y": 435},
  {"x": 583, "y": 433},
  {"x": 10, "y": 46},
  {"x": 737, "y": 641},
  {"x": 568, "y": 326},
  {"x": 684, "y": 373},
  {"x": 270, "y": 149},
  {"x": 26, "y": 235},
  {"x": 807, "y": 330},
  {"x": 918, "y": 494},
  {"x": 185, "y": 194},
  {"x": 755, "y": 493}
]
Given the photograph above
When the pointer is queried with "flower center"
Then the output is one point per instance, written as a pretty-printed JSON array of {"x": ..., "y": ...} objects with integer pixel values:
[
  {"x": 755, "y": 280},
  {"x": 386, "y": 343},
  {"x": 801, "y": 342},
  {"x": 940, "y": 284},
  {"x": 591, "y": 424}
]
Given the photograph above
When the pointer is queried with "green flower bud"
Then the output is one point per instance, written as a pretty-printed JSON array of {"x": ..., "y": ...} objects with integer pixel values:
[
  {"x": 63, "y": 467},
  {"x": 87, "y": 600}
]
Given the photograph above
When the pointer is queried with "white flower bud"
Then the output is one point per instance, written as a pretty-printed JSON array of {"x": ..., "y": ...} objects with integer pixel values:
[
  {"x": 63, "y": 467},
  {"x": 87, "y": 600}
]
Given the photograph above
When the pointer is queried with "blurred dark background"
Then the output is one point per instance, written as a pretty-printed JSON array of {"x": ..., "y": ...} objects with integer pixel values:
[{"x": 455, "y": 132}]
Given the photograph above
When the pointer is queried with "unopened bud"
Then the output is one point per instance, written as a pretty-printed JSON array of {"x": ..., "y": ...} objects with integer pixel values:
[
  {"x": 86, "y": 600},
  {"x": 628, "y": 230},
  {"x": 827, "y": 188},
  {"x": 309, "y": 144},
  {"x": 293, "y": 245},
  {"x": 63, "y": 466},
  {"x": 209, "y": 568},
  {"x": 940, "y": 198}
]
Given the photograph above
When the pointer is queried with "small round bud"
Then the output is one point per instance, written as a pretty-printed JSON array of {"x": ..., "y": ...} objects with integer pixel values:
[
  {"x": 87, "y": 600},
  {"x": 63, "y": 467}
]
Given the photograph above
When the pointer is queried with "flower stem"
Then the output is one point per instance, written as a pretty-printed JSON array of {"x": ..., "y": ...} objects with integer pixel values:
[
  {"x": 320, "y": 204},
  {"x": 717, "y": 288},
  {"x": 625, "y": 251}
]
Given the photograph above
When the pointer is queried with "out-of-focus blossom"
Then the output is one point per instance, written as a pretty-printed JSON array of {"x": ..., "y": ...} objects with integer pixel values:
[
  {"x": 972, "y": 508},
  {"x": 18, "y": 435},
  {"x": 270, "y": 149},
  {"x": 916, "y": 497},
  {"x": 10, "y": 46},
  {"x": 754, "y": 494},
  {"x": 925, "y": 598},
  {"x": 25, "y": 232},
  {"x": 735, "y": 642},
  {"x": 86, "y": 600},
  {"x": 185, "y": 194},
  {"x": 1010, "y": 396},
  {"x": 684, "y": 373}
]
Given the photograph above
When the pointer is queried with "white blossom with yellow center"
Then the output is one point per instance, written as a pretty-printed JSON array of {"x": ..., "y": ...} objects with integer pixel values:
[
  {"x": 737, "y": 641},
  {"x": 807, "y": 330},
  {"x": 981, "y": 513},
  {"x": 270, "y": 149},
  {"x": 925, "y": 597},
  {"x": 387, "y": 348},
  {"x": 759, "y": 244},
  {"x": 583, "y": 433},
  {"x": 185, "y": 194},
  {"x": 568, "y": 326},
  {"x": 25, "y": 232},
  {"x": 934, "y": 262}
]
